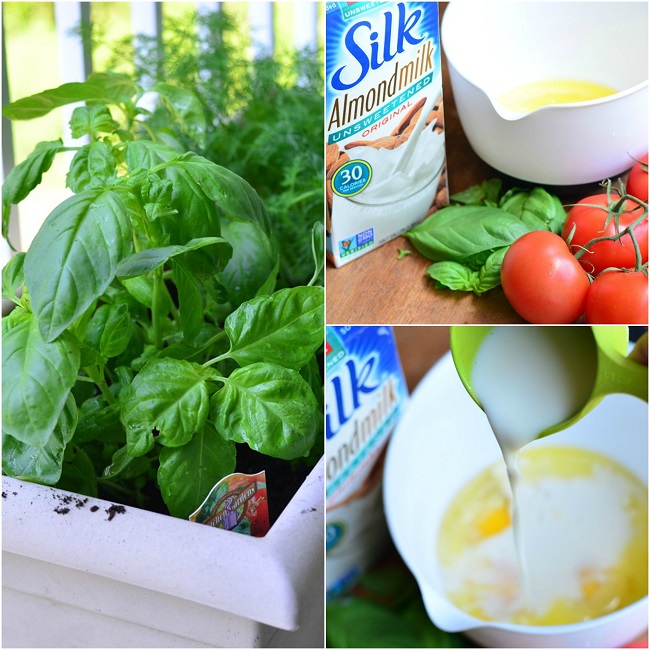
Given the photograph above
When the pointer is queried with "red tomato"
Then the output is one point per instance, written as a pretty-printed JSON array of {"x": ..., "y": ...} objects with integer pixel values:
[
  {"x": 542, "y": 280},
  {"x": 618, "y": 297},
  {"x": 589, "y": 224},
  {"x": 637, "y": 182}
]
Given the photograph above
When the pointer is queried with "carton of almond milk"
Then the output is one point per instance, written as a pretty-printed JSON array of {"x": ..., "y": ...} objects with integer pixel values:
[
  {"x": 365, "y": 397},
  {"x": 385, "y": 155}
]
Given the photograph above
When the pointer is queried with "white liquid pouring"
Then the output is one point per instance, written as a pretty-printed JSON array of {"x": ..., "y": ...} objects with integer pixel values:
[{"x": 528, "y": 379}]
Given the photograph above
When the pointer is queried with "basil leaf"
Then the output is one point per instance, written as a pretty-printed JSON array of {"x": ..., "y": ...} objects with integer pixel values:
[
  {"x": 462, "y": 277},
  {"x": 117, "y": 332},
  {"x": 453, "y": 275},
  {"x": 13, "y": 276},
  {"x": 152, "y": 258},
  {"x": 272, "y": 409},
  {"x": 188, "y": 473},
  {"x": 537, "y": 209},
  {"x": 23, "y": 178},
  {"x": 36, "y": 380},
  {"x": 101, "y": 87},
  {"x": 231, "y": 192},
  {"x": 285, "y": 328},
  {"x": 318, "y": 250},
  {"x": 119, "y": 462},
  {"x": 190, "y": 302},
  {"x": 92, "y": 166},
  {"x": 186, "y": 109},
  {"x": 485, "y": 193},
  {"x": 197, "y": 217},
  {"x": 78, "y": 473},
  {"x": 252, "y": 263},
  {"x": 168, "y": 395},
  {"x": 456, "y": 232},
  {"x": 41, "y": 464},
  {"x": 490, "y": 273},
  {"x": 74, "y": 257},
  {"x": 90, "y": 120},
  {"x": 99, "y": 421},
  {"x": 142, "y": 155}
]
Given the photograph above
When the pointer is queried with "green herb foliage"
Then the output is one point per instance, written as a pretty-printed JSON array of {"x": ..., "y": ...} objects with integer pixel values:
[
  {"x": 263, "y": 120},
  {"x": 468, "y": 240},
  {"x": 385, "y": 611},
  {"x": 138, "y": 350}
]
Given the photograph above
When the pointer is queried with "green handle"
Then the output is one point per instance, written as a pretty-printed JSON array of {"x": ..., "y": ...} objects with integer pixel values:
[{"x": 618, "y": 374}]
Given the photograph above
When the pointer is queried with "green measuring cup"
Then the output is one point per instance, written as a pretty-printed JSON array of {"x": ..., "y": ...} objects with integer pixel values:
[{"x": 615, "y": 373}]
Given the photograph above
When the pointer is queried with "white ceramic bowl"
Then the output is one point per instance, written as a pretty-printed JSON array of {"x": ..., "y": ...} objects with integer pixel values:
[
  {"x": 492, "y": 47},
  {"x": 442, "y": 441}
]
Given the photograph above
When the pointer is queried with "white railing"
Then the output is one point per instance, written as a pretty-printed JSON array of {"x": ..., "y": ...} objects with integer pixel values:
[{"x": 146, "y": 19}]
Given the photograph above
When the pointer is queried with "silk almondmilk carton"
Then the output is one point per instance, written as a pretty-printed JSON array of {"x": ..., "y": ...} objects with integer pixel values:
[
  {"x": 365, "y": 396},
  {"x": 385, "y": 156}
]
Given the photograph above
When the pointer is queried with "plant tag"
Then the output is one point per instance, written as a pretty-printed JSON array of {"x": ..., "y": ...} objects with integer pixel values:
[{"x": 237, "y": 502}]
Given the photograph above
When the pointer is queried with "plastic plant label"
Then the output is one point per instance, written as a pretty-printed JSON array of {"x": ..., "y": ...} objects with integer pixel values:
[{"x": 238, "y": 502}]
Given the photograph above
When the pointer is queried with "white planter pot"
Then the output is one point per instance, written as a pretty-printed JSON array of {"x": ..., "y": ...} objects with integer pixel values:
[{"x": 142, "y": 579}]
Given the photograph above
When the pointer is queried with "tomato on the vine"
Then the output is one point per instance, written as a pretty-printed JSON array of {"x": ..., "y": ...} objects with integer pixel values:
[
  {"x": 618, "y": 297},
  {"x": 588, "y": 218},
  {"x": 637, "y": 182},
  {"x": 542, "y": 280}
]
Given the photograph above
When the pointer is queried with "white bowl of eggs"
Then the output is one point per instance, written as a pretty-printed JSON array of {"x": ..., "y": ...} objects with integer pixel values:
[
  {"x": 554, "y": 93},
  {"x": 583, "y": 507}
]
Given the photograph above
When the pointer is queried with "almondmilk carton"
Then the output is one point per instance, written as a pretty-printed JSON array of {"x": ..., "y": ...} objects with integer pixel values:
[
  {"x": 385, "y": 154},
  {"x": 365, "y": 396}
]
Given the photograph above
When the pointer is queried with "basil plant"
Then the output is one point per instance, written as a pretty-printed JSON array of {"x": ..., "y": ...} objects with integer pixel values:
[{"x": 148, "y": 335}]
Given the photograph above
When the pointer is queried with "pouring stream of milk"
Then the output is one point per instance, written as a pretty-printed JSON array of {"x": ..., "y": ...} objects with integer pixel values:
[{"x": 528, "y": 379}]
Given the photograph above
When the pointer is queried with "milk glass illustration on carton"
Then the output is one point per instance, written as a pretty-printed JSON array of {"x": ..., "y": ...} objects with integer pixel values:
[
  {"x": 385, "y": 156},
  {"x": 365, "y": 395}
]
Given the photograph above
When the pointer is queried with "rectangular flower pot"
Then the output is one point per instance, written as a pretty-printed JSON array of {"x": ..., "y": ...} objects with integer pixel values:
[{"x": 83, "y": 572}]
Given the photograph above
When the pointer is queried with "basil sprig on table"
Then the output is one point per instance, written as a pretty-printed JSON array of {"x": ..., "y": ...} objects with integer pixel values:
[
  {"x": 149, "y": 336},
  {"x": 468, "y": 241}
]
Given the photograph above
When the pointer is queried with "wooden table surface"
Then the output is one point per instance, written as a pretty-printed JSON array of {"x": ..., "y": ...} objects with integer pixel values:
[{"x": 377, "y": 288}]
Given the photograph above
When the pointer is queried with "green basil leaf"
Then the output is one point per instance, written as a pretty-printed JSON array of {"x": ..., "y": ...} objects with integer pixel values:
[
  {"x": 168, "y": 395},
  {"x": 268, "y": 286},
  {"x": 188, "y": 473},
  {"x": 186, "y": 108},
  {"x": 234, "y": 196},
  {"x": 462, "y": 277},
  {"x": 90, "y": 120},
  {"x": 318, "y": 250},
  {"x": 190, "y": 302},
  {"x": 489, "y": 275},
  {"x": 74, "y": 257},
  {"x": 142, "y": 155},
  {"x": 453, "y": 275},
  {"x": 272, "y": 409},
  {"x": 36, "y": 380},
  {"x": 485, "y": 193},
  {"x": 99, "y": 421},
  {"x": 101, "y": 87},
  {"x": 152, "y": 258},
  {"x": 78, "y": 473},
  {"x": 119, "y": 462},
  {"x": 253, "y": 260},
  {"x": 23, "y": 178},
  {"x": 13, "y": 276},
  {"x": 93, "y": 165},
  {"x": 537, "y": 209},
  {"x": 285, "y": 328},
  {"x": 41, "y": 464},
  {"x": 457, "y": 232},
  {"x": 117, "y": 332},
  {"x": 197, "y": 217}
]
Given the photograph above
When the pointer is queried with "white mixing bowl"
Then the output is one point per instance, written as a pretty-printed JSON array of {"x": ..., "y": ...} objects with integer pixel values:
[
  {"x": 492, "y": 47},
  {"x": 442, "y": 441}
]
